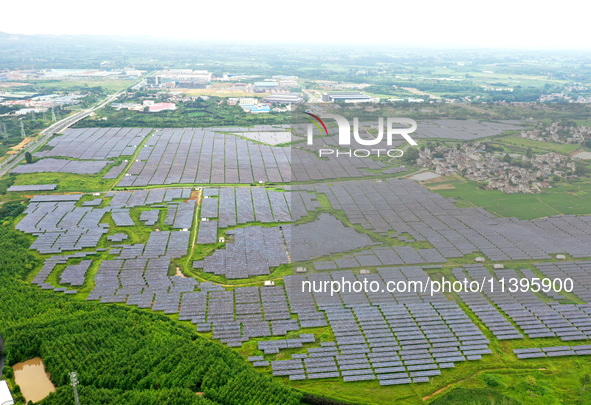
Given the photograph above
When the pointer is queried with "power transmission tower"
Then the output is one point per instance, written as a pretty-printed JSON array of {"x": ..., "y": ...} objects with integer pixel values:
[
  {"x": 44, "y": 117},
  {"x": 53, "y": 119},
  {"x": 4, "y": 131},
  {"x": 74, "y": 382},
  {"x": 22, "y": 129}
]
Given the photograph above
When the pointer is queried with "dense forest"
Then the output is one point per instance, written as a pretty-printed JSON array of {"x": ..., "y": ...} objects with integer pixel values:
[{"x": 122, "y": 355}]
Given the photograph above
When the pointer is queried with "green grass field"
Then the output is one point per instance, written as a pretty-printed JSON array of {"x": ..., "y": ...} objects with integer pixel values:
[
  {"x": 564, "y": 198},
  {"x": 110, "y": 85},
  {"x": 544, "y": 146}
]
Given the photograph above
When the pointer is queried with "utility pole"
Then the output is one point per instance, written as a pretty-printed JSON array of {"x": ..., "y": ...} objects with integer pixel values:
[{"x": 74, "y": 382}]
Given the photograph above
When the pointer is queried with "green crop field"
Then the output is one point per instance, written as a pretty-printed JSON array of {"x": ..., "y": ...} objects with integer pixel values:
[
  {"x": 110, "y": 85},
  {"x": 567, "y": 198},
  {"x": 544, "y": 146}
]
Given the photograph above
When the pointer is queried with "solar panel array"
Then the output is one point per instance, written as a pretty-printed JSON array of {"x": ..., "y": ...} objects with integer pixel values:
[
  {"x": 579, "y": 272},
  {"x": 464, "y": 129},
  {"x": 269, "y": 136},
  {"x": 115, "y": 171},
  {"x": 392, "y": 338},
  {"x": 552, "y": 351},
  {"x": 140, "y": 275},
  {"x": 117, "y": 237},
  {"x": 62, "y": 166},
  {"x": 33, "y": 187},
  {"x": 130, "y": 199},
  {"x": 121, "y": 217},
  {"x": 60, "y": 225},
  {"x": 405, "y": 210},
  {"x": 51, "y": 263},
  {"x": 95, "y": 143},
  {"x": 74, "y": 274},
  {"x": 395, "y": 339},
  {"x": 193, "y": 155},
  {"x": 250, "y": 252},
  {"x": 150, "y": 217},
  {"x": 431, "y": 129},
  {"x": 248, "y": 204},
  {"x": 326, "y": 235},
  {"x": 534, "y": 317}
]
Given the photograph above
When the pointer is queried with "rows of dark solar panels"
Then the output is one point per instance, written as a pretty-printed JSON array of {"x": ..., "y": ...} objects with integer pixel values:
[
  {"x": 552, "y": 351},
  {"x": 536, "y": 317},
  {"x": 129, "y": 199},
  {"x": 121, "y": 217},
  {"x": 115, "y": 171},
  {"x": 51, "y": 263},
  {"x": 411, "y": 210},
  {"x": 464, "y": 129},
  {"x": 247, "y": 312},
  {"x": 33, "y": 187},
  {"x": 150, "y": 217},
  {"x": 192, "y": 155},
  {"x": 382, "y": 256},
  {"x": 181, "y": 215},
  {"x": 579, "y": 272},
  {"x": 268, "y": 137},
  {"x": 254, "y": 128},
  {"x": 93, "y": 203},
  {"x": 248, "y": 204},
  {"x": 62, "y": 166},
  {"x": 56, "y": 198},
  {"x": 326, "y": 235},
  {"x": 74, "y": 274},
  {"x": 140, "y": 272},
  {"x": 60, "y": 225},
  {"x": 117, "y": 237},
  {"x": 395, "y": 339},
  {"x": 95, "y": 143},
  {"x": 195, "y": 155},
  {"x": 441, "y": 129},
  {"x": 140, "y": 275},
  {"x": 252, "y": 251}
]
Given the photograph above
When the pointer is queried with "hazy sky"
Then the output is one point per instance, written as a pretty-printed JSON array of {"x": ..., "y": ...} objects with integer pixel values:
[{"x": 499, "y": 23}]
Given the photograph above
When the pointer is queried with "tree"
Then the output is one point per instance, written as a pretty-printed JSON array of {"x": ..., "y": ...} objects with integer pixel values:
[
  {"x": 28, "y": 157},
  {"x": 507, "y": 159},
  {"x": 580, "y": 170},
  {"x": 411, "y": 155},
  {"x": 529, "y": 153}
]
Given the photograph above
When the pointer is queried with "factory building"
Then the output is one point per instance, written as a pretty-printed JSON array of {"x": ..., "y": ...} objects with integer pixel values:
[
  {"x": 347, "y": 97},
  {"x": 283, "y": 99}
]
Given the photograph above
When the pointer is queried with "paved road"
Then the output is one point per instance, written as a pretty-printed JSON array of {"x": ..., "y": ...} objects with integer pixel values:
[{"x": 44, "y": 135}]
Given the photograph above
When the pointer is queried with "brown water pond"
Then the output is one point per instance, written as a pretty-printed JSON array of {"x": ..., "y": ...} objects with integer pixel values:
[{"x": 34, "y": 381}]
